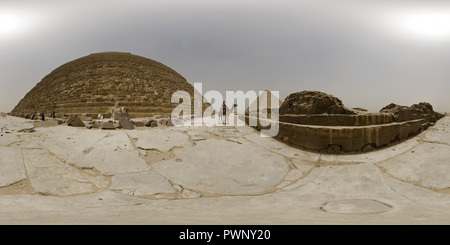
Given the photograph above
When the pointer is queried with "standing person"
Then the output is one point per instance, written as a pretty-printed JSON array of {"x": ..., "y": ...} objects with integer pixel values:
[
  {"x": 224, "y": 112},
  {"x": 43, "y": 116},
  {"x": 53, "y": 114}
]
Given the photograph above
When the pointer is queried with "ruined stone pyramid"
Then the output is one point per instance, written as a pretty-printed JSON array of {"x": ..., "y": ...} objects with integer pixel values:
[{"x": 95, "y": 83}]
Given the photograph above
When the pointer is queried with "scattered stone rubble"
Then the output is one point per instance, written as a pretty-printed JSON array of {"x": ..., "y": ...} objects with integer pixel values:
[{"x": 119, "y": 121}]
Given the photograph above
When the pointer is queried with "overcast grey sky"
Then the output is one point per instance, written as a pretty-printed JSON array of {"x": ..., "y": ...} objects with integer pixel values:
[{"x": 367, "y": 53}]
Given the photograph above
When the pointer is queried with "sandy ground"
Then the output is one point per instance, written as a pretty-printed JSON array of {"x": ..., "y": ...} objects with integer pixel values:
[{"x": 52, "y": 174}]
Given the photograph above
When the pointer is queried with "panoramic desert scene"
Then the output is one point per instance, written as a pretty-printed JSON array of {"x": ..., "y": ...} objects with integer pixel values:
[
  {"x": 106, "y": 158},
  {"x": 225, "y": 113}
]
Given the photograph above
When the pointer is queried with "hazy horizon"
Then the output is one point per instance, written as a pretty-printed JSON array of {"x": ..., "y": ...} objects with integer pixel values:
[{"x": 368, "y": 54}]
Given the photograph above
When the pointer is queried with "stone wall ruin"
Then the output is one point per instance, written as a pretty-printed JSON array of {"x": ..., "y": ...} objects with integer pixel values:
[{"x": 316, "y": 121}]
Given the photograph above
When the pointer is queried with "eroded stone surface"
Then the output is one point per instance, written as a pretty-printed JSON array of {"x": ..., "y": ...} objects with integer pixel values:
[
  {"x": 222, "y": 171},
  {"x": 114, "y": 155},
  {"x": 12, "y": 169},
  {"x": 68, "y": 143},
  {"x": 416, "y": 166},
  {"x": 440, "y": 132},
  {"x": 346, "y": 182},
  {"x": 356, "y": 206},
  {"x": 143, "y": 184},
  {"x": 49, "y": 176},
  {"x": 8, "y": 138},
  {"x": 159, "y": 139},
  {"x": 219, "y": 181}
]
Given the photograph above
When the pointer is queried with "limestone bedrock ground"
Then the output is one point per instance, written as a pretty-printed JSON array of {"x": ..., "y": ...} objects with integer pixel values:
[{"x": 214, "y": 175}]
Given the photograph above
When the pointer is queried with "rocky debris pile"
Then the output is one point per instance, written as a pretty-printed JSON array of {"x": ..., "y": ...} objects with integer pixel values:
[
  {"x": 121, "y": 121},
  {"x": 76, "y": 122},
  {"x": 313, "y": 102},
  {"x": 416, "y": 111},
  {"x": 124, "y": 121}
]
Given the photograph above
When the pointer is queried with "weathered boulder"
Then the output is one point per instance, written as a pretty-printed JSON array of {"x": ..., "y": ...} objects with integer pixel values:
[
  {"x": 124, "y": 121},
  {"x": 107, "y": 125},
  {"x": 151, "y": 123},
  {"x": 427, "y": 108},
  {"x": 70, "y": 120},
  {"x": 96, "y": 124},
  {"x": 138, "y": 123},
  {"x": 118, "y": 116},
  {"x": 77, "y": 123},
  {"x": 313, "y": 102},
  {"x": 416, "y": 111}
]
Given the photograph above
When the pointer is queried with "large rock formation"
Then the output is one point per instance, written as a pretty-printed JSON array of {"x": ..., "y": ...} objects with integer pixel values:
[
  {"x": 95, "y": 83},
  {"x": 313, "y": 102},
  {"x": 405, "y": 113},
  {"x": 320, "y": 122}
]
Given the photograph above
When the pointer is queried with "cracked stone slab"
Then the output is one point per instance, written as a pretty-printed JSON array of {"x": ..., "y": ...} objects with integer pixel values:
[
  {"x": 115, "y": 140},
  {"x": 197, "y": 133},
  {"x": 114, "y": 155},
  {"x": 8, "y": 139},
  {"x": 420, "y": 195},
  {"x": 280, "y": 148},
  {"x": 212, "y": 166},
  {"x": 356, "y": 206},
  {"x": 439, "y": 132},
  {"x": 49, "y": 176},
  {"x": 361, "y": 181},
  {"x": 114, "y": 162},
  {"x": 236, "y": 140},
  {"x": 294, "y": 174},
  {"x": 159, "y": 139},
  {"x": 11, "y": 128},
  {"x": 68, "y": 143},
  {"x": 350, "y": 194},
  {"x": 12, "y": 169},
  {"x": 142, "y": 184},
  {"x": 15, "y": 124},
  {"x": 427, "y": 165},
  {"x": 300, "y": 165}
]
